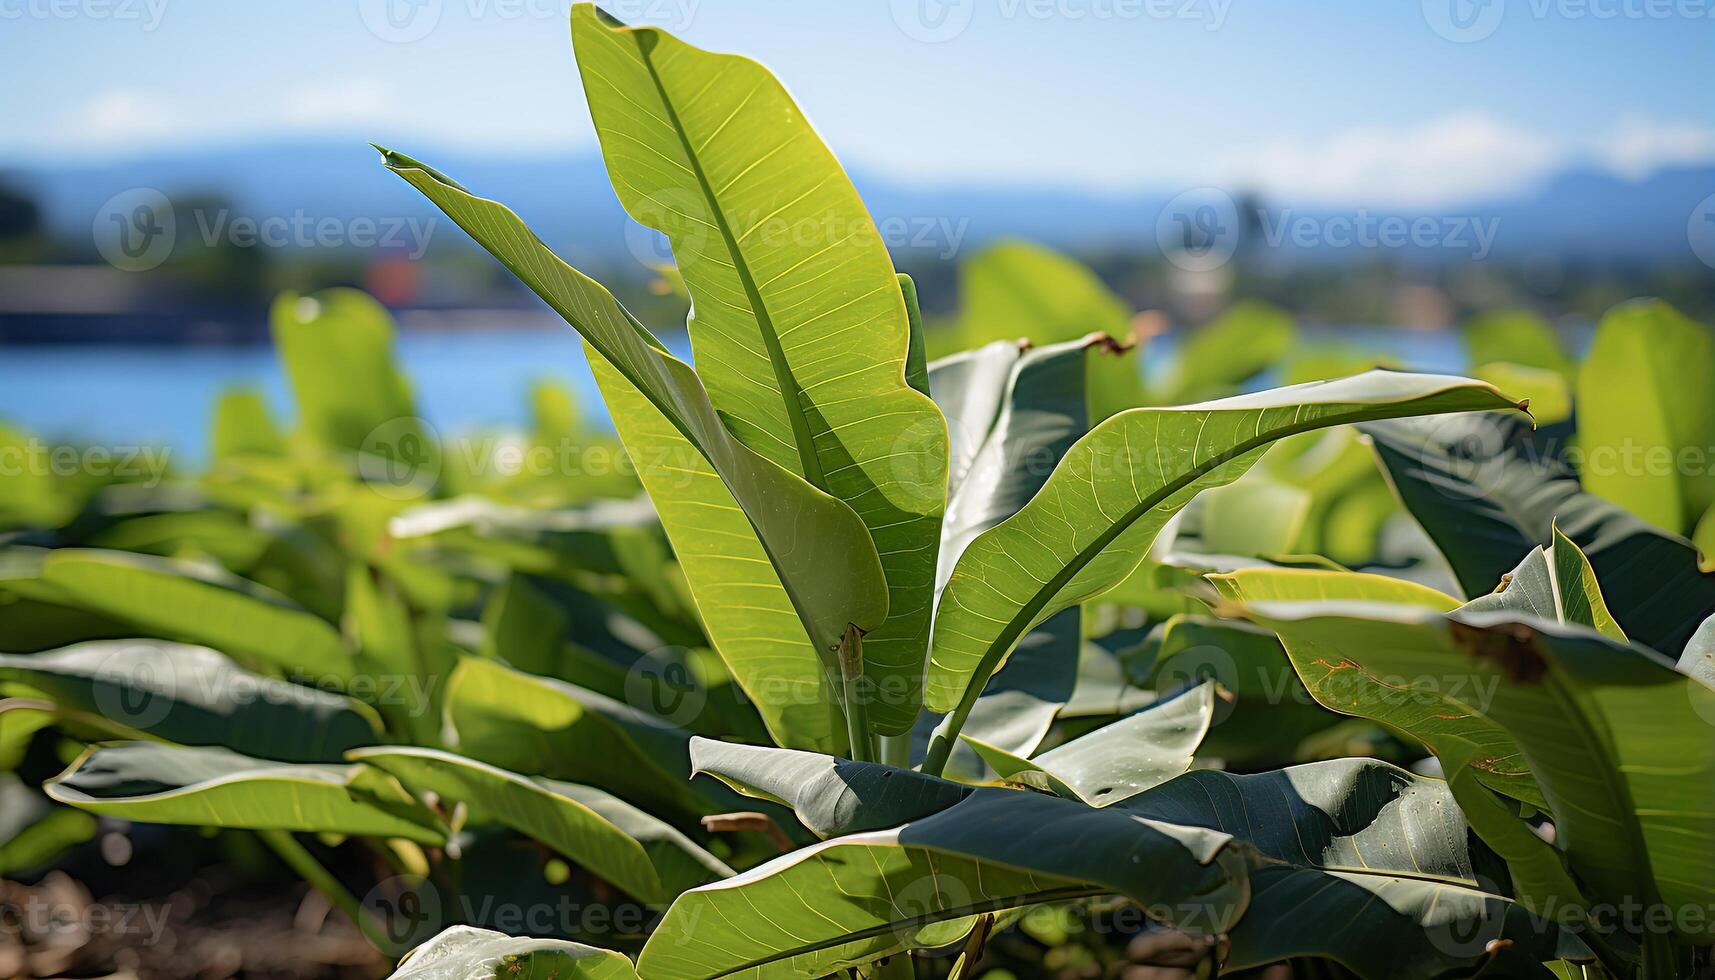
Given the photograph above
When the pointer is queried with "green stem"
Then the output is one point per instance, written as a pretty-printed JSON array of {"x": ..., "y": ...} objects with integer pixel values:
[
  {"x": 319, "y": 878},
  {"x": 895, "y": 750},
  {"x": 947, "y": 735},
  {"x": 851, "y": 679}
]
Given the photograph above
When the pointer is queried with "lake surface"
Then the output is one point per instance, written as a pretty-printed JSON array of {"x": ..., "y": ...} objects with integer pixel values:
[{"x": 464, "y": 380}]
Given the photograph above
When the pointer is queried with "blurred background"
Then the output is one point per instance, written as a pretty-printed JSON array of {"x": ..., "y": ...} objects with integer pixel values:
[{"x": 1378, "y": 171}]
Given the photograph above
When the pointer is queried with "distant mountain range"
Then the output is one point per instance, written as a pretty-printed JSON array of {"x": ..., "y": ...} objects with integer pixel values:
[{"x": 568, "y": 200}]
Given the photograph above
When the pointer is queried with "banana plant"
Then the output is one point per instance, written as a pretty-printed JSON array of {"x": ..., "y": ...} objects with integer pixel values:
[{"x": 896, "y": 565}]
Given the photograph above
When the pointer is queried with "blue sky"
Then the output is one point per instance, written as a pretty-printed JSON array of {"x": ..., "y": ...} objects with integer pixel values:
[{"x": 1371, "y": 100}]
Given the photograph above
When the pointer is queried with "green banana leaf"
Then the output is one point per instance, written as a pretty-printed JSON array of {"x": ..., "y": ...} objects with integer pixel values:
[
  {"x": 1357, "y": 844},
  {"x": 750, "y": 619},
  {"x": 831, "y": 796},
  {"x": 1117, "y": 761},
  {"x": 209, "y": 787},
  {"x": 1258, "y": 584},
  {"x": 799, "y": 326},
  {"x": 629, "y": 848},
  {"x": 1487, "y": 493},
  {"x": 1515, "y": 337},
  {"x": 543, "y": 727},
  {"x": 194, "y": 604},
  {"x": 1613, "y": 736},
  {"x": 1011, "y": 413},
  {"x": 244, "y": 426},
  {"x": 1556, "y": 584},
  {"x": 1093, "y": 521},
  {"x": 820, "y": 561},
  {"x": 853, "y": 899},
  {"x": 336, "y": 347},
  {"x": 469, "y": 953},
  {"x": 1017, "y": 291},
  {"x": 194, "y": 696},
  {"x": 1263, "y": 713},
  {"x": 1646, "y": 396}
]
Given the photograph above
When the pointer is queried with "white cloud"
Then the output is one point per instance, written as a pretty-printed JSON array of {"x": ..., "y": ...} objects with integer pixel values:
[
  {"x": 1452, "y": 159},
  {"x": 1638, "y": 147},
  {"x": 125, "y": 116},
  {"x": 1466, "y": 156}
]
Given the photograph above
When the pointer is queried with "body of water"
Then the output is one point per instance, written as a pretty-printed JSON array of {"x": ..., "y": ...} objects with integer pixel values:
[{"x": 463, "y": 380}]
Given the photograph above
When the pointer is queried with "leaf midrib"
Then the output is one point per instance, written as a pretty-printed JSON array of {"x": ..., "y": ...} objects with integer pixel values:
[
  {"x": 1017, "y": 625},
  {"x": 790, "y": 391},
  {"x": 1066, "y": 893}
]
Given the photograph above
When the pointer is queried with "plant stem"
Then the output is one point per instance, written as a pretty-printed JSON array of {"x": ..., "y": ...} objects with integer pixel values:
[
  {"x": 947, "y": 734},
  {"x": 851, "y": 679},
  {"x": 322, "y": 880},
  {"x": 895, "y": 750}
]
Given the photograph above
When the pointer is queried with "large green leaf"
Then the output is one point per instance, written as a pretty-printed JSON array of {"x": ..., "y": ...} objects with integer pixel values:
[
  {"x": 1011, "y": 415},
  {"x": 194, "y": 696},
  {"x": 1556, "y": 584},
  {"x": 1515, "y": 337},
  {"x": 819, "y": 551},
  {"x": 831, "y": 796},
  {"x": 540, "y": 726},
  {"x": 1264, "y": 712},
  {"x": 193, "y": 603},
  {"x": 1353, "y": 843},
  {"x": 1267, "y": 584},
  {"x": 749, "y": 616},
  {"x": 798, "y": 326},
  {"x": 1646, "y": 414},
  {"x": 337, "y": 350},
  {"x": 1614, "y": 737},
  {"x": 629, "y": 848},
  {"x": 853, "y": 899},
  {"x": 469, "y": 953},
  {"x": 1487, "y": 494},
  {"x": 1117, "y": 761},
  {"x": 208, "y": 787},
  {"x": 1017, "y": 291},
  {"x": 1093, "y": 521}
]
